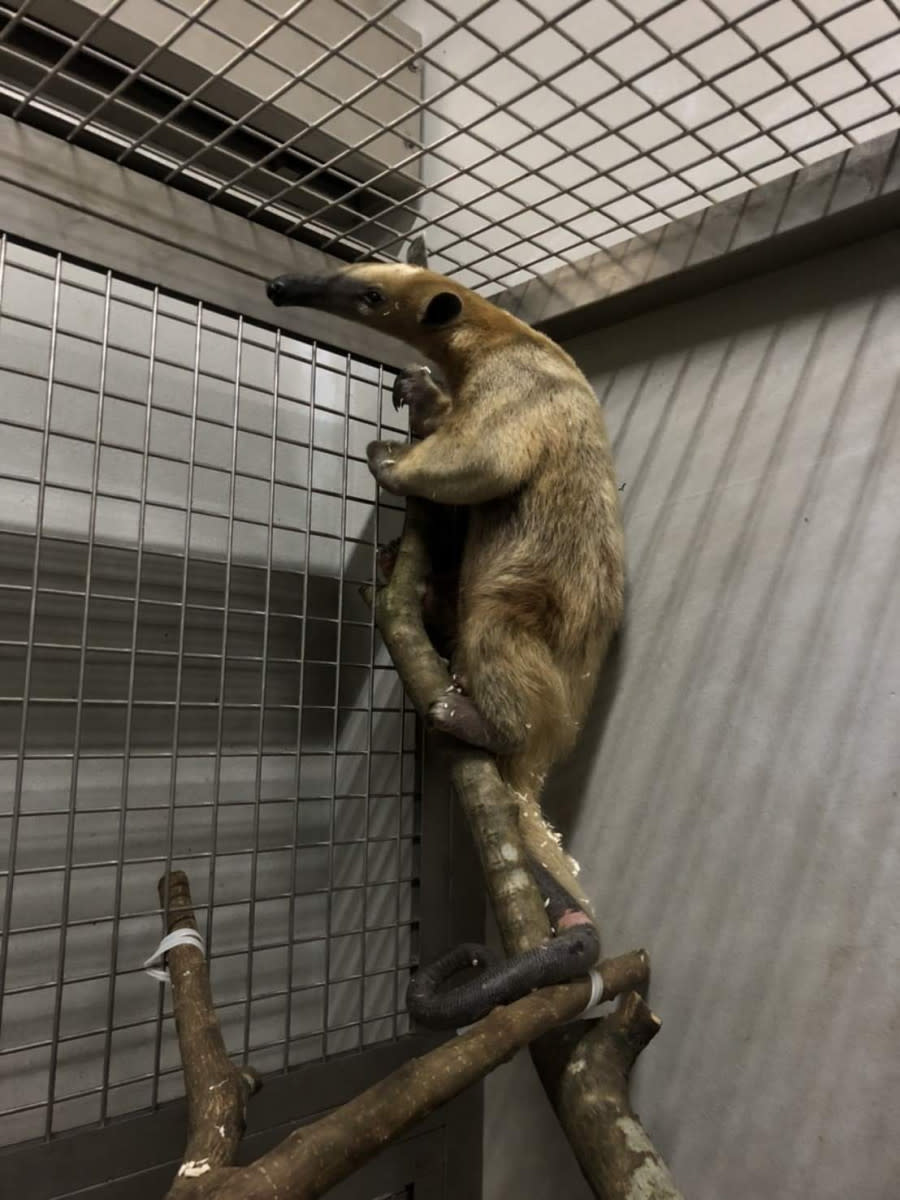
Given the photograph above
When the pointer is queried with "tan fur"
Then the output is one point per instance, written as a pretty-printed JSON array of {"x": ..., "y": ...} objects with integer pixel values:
[{"x": 521, "y": 438}]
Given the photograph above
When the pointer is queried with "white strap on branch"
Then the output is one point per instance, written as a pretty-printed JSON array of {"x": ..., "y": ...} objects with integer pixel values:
[
  {"x": 591, "y": 1010},
  {"x": 181, "y": 937}
]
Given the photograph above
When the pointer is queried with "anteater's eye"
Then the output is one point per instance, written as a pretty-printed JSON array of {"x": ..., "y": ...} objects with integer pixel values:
[{"x": 372, "y": 296}]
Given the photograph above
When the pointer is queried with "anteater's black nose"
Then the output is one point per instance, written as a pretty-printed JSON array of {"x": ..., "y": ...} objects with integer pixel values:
[{"x": 275, "y": 290}]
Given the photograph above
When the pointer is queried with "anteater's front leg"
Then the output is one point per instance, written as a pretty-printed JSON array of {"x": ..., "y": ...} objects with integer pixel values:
[
  {"x": 465, "y": 463},
  {"x": 470, "y": 465}
]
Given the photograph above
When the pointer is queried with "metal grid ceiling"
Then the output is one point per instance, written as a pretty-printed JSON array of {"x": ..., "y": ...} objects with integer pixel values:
[
  {"x": 185, "y": 517},
  {"x": 546, "y": 129}
]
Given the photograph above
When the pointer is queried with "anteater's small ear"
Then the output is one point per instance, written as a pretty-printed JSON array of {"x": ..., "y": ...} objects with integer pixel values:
[
  {"x": 441, "y": 309},
  {"x": 417, "y": 254}
]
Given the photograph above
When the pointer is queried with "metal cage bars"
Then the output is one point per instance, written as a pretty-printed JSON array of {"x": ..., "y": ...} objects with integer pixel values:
[
  {"x": 499, "y": 251},
  {"x": 105, "y": 1021}
]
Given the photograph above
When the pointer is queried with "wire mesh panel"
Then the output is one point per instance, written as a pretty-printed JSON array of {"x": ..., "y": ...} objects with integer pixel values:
[
  {"x": 190, "y": 677},
  {"x": 519, "y": 135}
]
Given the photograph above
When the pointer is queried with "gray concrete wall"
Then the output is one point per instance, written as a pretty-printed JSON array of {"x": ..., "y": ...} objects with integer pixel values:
[{"x": 734, "y": 801}]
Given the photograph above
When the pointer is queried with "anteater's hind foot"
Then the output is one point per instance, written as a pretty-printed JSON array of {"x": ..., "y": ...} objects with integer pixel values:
[{"x": 455, "y": 714}]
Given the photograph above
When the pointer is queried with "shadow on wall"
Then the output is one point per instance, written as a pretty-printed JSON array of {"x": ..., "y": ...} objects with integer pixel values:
[
  {"x": 734, "y": 798},
  {"x": 310, "y": 845},
  {"x": 230, "y": 614},
  {"x": 327, "y": 722}
]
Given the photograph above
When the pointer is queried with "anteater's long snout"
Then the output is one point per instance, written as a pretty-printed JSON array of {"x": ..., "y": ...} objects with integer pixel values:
[
  {"x": 307, "y": 290},
  {"x": 277, "y": 288}
]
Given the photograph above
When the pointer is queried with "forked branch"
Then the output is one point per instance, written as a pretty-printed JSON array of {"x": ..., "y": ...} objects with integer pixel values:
[{"x": 315, "y": 1157}]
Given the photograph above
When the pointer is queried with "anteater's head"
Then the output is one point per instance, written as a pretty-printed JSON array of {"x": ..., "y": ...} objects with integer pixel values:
[
  {"x": 407, "y": 302},
  {"x": 443, "y": 319}
]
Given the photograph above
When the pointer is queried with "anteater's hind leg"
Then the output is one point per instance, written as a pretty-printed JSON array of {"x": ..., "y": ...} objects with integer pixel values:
[{"x": 515, "y": 696}]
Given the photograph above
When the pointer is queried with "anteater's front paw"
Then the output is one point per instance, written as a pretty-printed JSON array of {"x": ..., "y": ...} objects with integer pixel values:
[
  {"x": 382, "y": 457},
  {"x": 412, "y": 387},
  {"x": 387, "y": 558}
]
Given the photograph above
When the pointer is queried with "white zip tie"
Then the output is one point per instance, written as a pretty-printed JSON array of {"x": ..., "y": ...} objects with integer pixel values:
[
  {"x": 590, "y": 1012},
  {"x": 181, "y": 937}
]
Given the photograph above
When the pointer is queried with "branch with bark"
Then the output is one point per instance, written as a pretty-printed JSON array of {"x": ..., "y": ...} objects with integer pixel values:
[
  {"x": 585, "y": 1068},
  {"x": 315, "y": 1157}
]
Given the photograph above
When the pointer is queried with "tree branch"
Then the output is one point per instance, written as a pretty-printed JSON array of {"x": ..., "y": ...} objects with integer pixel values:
[
  {"x": 585, "y": 1068},
  {"x": 217, "y": 1091},
  {"x": 585, "y": 1072},
  {"x": 490, "y": 808},
  {"x": 317, "y": 1156}
]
